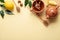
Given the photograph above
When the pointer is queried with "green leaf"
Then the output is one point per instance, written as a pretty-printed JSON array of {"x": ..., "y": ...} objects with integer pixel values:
[
  {"x": 26, "y": 2},
  {"x": 9, "y": 12},
  {"x": 2, "y": 13},
  {"x": 2, "y": 5},
  {"x": 2, "y": 1},
  {"x": 30, "y": 4}
]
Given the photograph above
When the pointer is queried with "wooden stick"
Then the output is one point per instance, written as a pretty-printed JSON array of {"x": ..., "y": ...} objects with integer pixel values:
[{"x": 17, "y": 8}]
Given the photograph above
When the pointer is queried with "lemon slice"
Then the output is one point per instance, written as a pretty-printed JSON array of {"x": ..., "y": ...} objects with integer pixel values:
[{"x": 52, "y": 3}]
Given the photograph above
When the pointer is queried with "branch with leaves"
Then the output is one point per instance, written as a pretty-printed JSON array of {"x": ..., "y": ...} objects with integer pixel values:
[
  {"x": 28, "y": 2},
  {"x": 4, "y": 10},
  {"x": 2, "y": 1}
]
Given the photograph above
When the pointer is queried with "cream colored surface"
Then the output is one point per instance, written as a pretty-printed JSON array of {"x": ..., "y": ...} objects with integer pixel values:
[{"x": 27, "y": 26}]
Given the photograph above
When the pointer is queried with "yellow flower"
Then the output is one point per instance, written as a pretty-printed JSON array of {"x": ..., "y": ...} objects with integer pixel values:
[
  {"x": 52, "y": 3},
  {"x": 9, "y": 5}
]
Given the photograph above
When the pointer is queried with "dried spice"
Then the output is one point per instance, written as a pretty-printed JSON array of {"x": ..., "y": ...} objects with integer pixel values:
[
  {"x": 21, "y": 4},
  {"x": 19, "y": 1}
]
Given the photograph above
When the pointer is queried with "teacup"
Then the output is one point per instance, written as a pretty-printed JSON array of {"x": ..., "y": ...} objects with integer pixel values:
[{"x": 38, "y": 6}]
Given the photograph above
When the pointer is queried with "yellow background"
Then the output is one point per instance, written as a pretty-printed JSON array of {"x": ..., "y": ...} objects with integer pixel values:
[{"x": 27, "y": 26}]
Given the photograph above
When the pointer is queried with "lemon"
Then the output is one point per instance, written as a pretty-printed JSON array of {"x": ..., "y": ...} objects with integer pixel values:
[
  {"x": 52, "y": 3},
  {"x": 9, "y": 5}
]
